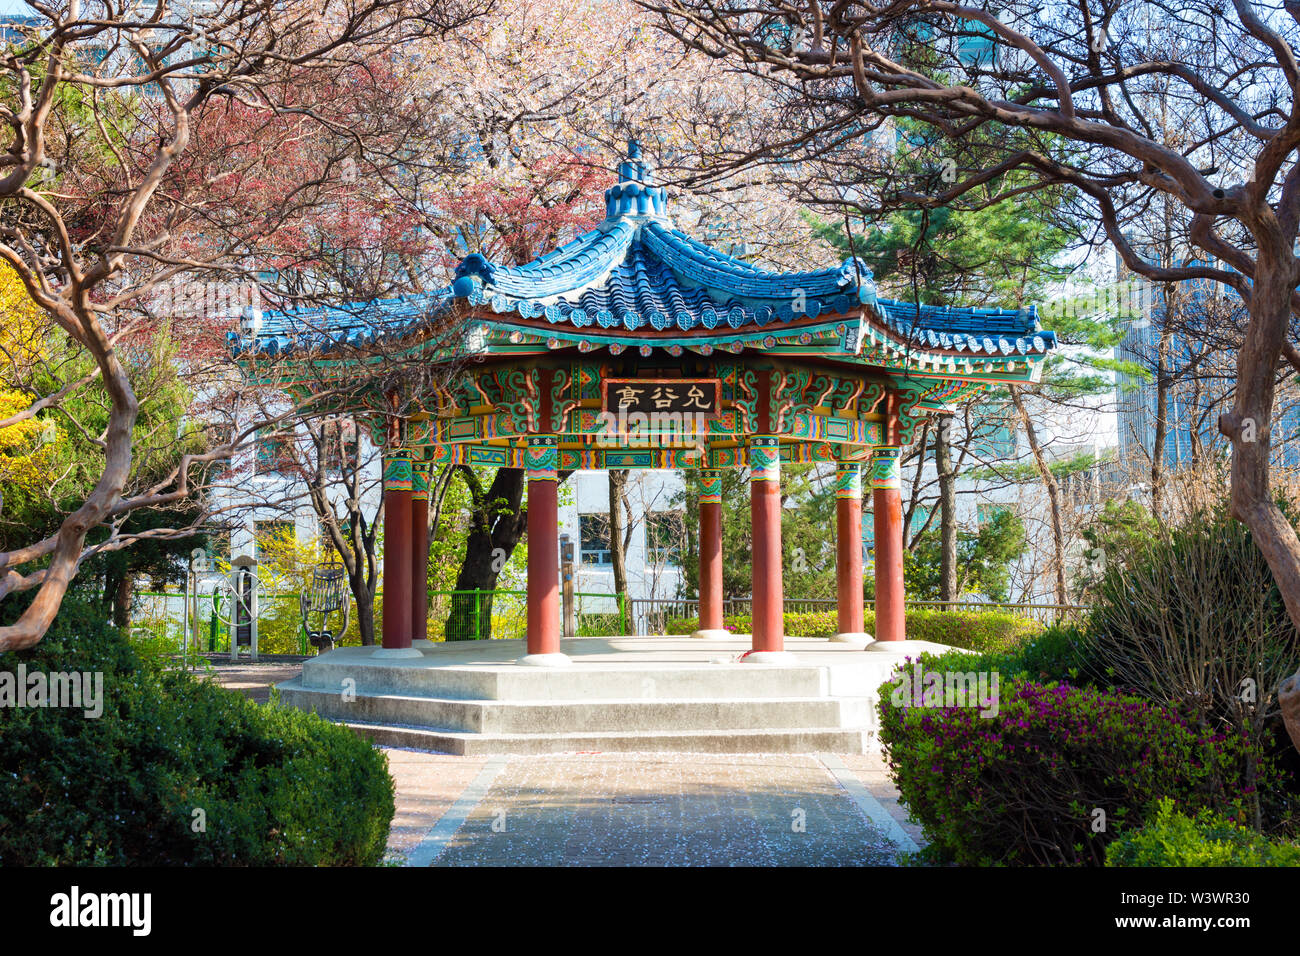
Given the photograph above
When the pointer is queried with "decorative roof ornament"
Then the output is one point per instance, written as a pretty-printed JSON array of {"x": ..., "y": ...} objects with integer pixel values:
[{"x": 635, "y": 195}]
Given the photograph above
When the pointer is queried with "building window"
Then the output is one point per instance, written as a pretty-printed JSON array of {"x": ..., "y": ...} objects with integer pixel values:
[
  {"x": 593, "y": 531},
  {"x": 920, "y": 514},
  {"x": 341, "y": 447},
  {"x": 664, "y": 533},
  {"x": 994, "y": 435},
  {"x": 274, "y": 453}
]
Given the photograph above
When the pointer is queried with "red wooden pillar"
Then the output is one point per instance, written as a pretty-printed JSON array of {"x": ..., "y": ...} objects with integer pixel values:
[
  {"x": 543, "y": 553},
  {"x": 848, "y": 554},
  {"x": 420, "y": 552},
  {"x": 398, "y": 481},
  {"x": 765, "y": 523},
  {"x": 711, "y": 557},
  {"x": 887, "y": 503}
]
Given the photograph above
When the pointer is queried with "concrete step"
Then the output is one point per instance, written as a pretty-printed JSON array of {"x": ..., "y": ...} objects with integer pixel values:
[
  {"x": 604, "y": 715},
  {"x": 431, "y": 678},
  {"x": 809, "y": 740}
]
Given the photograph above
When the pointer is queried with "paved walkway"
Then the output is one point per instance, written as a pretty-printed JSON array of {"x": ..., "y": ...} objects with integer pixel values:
[
  {"x": 616, "y": 809},
  {"x": 253, "y": 680},
  {"x": 606, "y": 809}
]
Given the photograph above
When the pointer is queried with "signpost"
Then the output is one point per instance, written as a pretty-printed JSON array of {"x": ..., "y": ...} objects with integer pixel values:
[
  {"x": 243, "y": 611},
  {"x": 234, "y": 603},
  {"x": 662, "y": 396}
]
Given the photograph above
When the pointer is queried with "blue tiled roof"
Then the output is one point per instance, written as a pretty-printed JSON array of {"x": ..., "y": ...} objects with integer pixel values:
[
  {"x": 635, "y": 273},
  {"x": 352, "y": 325},
  {"x": 947, "y": 328},
  {"x": 639, "y": 273}
]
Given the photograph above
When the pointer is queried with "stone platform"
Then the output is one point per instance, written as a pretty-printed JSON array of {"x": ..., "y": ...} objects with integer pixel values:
[{"x": 630, "y": 694}]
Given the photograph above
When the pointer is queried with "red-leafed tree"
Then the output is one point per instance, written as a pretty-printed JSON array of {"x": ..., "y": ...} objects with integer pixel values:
[{"x": 152, "y": 152}]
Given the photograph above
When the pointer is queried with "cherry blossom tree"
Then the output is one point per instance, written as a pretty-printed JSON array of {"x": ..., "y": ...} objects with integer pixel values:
[{"x": 151, "y": 147}]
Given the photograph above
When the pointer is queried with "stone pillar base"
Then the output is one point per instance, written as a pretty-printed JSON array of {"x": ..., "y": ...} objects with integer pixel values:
[
  {"x": 712, "y": 634},
  {"x": 859, "y": 638},
  {"x": 553, "y": 659},
  {"x": 899, "y": 647},
  {"x": 769, "y": 657},
  {"x": 397, "y": 653},
  {"x": 423, "y": 644}
]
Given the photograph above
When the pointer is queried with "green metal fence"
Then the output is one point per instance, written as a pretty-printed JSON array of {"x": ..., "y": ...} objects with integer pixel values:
[
  {"x": 651, "y": 616},
  {"x": 502, "y": 614},
  {"x": 483, "y": 614}
]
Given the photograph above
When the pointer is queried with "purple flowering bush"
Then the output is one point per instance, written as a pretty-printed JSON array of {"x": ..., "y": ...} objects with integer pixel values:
[{"x": 1025, "y": 787}]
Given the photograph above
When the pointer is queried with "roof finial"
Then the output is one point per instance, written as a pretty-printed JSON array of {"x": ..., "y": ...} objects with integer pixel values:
[{"x": 635, "y": 193}]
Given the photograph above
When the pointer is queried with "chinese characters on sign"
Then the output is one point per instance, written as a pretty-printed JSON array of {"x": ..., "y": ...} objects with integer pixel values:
[{"x": 677, "y": 395}]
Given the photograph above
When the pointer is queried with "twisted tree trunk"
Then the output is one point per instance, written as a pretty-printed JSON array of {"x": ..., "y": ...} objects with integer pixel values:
[{"x": 1249, "y": 426}]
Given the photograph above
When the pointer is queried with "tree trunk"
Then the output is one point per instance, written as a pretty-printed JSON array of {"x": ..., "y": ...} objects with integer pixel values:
[
  {"x": 1162, "y": 410},
  {"x": 122, "y": 596},
  {"x": 355, "y": 546},
  {"x": 947, "y": 509},
  {"x": 1053, "y": 492},
  {"x": 1249, "y": 426},
  {"x": 365, "y": 610},
  {"x": 497, "y": 523},
  {"x": 617, "y": 545}
]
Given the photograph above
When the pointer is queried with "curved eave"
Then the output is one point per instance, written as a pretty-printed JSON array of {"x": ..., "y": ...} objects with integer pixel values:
[
  {"x": 828, "y": 335},
  {"x": 393, "y": 322},
  {"x": 751, "y": 314},
  {"x": 1020, "y": 336},
  {"x": 574, "y": 265}
]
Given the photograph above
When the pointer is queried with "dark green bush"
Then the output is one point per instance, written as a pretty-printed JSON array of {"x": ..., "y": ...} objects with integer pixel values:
[
  {"x": 273, "y": 785},
  {"x": 1062, "y": 652},
  {"x": 1023, "y": 787},
  {"x": 1204, "y": 839}
]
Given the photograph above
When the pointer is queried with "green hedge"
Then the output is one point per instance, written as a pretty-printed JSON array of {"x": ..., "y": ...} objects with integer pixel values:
[
  {"x": 1204, "y": 839},
  {"x": 271, "y": 785},
  {"x": 1024, "y": 786},
  {"x": 1060, "y": 652},
  {"x": 971, "y": 630}
]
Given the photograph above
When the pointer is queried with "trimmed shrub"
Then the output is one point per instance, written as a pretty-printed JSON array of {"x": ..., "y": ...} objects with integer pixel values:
[
  {"x": 178, "y": 771},
  {"x": 1061, "y": 652},
  {"x": 1023, "y": 787},
  {"x": 972, "y": 630},
  {"x": 1205, "y": 839}
]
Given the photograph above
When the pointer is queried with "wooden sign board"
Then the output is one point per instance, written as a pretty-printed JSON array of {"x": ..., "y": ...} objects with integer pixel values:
[{"x": 681, "y": 396}]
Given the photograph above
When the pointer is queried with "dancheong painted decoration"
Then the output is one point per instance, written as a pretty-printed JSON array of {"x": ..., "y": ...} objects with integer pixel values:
[{"x": 637, "y": 346}]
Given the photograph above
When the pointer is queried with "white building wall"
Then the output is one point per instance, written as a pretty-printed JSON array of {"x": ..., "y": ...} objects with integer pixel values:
[{"x": 649, "y": 491}]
